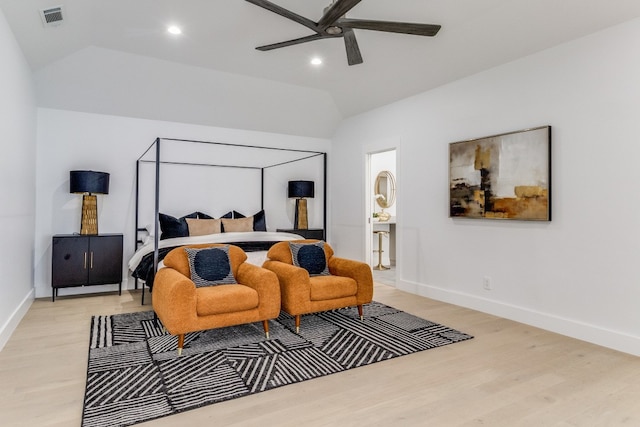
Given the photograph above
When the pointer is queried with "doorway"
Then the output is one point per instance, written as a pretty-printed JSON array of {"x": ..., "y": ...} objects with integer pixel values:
[{"x": 382, "y": 217}]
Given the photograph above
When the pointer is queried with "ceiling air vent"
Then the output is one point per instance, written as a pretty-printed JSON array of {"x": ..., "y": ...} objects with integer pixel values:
[{"x": 51, "y": 16}]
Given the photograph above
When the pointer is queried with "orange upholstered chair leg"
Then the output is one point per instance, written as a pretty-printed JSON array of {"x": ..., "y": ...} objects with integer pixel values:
[
  {"x": 360, "y": 312},
  {"x": 265, "y": 325},
  {"x": 297, "y": 324},
  {"x": 180, "y": 344}
]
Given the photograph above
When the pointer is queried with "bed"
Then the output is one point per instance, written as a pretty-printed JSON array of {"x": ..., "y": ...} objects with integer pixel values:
[{"x": 254, "y": 178}]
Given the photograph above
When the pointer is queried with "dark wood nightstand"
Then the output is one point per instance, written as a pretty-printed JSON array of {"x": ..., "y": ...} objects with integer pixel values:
[
  {"x": 85, "y": 260},
  {"x": 310, "y": 233}
]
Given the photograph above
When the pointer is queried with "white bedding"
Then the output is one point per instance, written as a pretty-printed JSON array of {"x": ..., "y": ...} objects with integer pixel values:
[{"x": 254, "y": 236}]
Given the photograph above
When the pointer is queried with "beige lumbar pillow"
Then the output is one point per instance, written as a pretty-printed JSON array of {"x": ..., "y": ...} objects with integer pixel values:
[
  {"x": 240, "y": 224},
  {"x": 201, "y": 227}
]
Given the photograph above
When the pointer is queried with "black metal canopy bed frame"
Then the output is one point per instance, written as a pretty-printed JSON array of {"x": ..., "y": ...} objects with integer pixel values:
[{"x": 149, "y": 254}]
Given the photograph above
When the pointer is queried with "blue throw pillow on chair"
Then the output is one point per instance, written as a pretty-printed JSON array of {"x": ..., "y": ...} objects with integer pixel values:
[
  {"x": 311, "y": 257},
  {"x": 210, "y": 266}
]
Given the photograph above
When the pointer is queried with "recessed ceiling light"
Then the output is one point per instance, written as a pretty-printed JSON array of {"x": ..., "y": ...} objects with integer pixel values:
[
  {"x": 316, "y": 61},
  {"x": 174, "y": 30}
]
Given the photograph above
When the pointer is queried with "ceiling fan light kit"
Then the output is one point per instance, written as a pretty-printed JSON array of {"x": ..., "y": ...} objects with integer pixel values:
[{"x": 333, "y": 24}]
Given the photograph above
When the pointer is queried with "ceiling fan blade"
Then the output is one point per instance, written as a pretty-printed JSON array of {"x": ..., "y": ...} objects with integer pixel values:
[
  {"x": 390, "y": 27},
  {"x": 292, "y": 42},
  {"x": 285, "y": 13},
  {"x": 353, "y": 50},
  {"x": 335, "y": 11}
]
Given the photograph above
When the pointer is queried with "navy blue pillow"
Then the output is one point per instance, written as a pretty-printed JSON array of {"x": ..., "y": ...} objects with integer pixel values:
[
  {"x": 210, "y": 266},
  {"x": 171, "y": 227},
  {"x": 259, "y": 220},
  {"x": 311, "y": 257},
  {"x": 205, "y": 216}
]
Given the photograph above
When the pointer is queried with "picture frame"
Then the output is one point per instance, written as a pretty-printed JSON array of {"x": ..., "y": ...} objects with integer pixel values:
[{"x": 505, "y": 176}]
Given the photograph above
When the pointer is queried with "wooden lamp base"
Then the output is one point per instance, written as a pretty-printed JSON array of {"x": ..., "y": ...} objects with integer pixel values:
[
  {"x": 301, "y": 222},
  {"x": 89, "y": 221}
]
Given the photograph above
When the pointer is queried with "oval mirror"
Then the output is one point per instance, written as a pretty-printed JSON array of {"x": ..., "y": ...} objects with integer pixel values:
[{"x": 385, "y": 188}]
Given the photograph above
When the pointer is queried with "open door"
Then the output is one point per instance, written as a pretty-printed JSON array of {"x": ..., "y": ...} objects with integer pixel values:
[{"x": 382, "y": 215}]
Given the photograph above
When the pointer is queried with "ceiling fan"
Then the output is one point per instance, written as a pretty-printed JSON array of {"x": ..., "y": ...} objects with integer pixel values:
[{"x": 333, "y": 23}]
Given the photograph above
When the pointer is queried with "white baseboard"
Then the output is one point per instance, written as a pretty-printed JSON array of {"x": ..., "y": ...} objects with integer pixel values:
[
  {"x": 45, "y": 291},
  {"x": 594, "y": 334},
  {"x": 10, "y": 325}
]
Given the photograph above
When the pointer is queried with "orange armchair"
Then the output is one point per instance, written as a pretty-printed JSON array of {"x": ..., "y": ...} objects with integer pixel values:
[
  {"x": 182, "y": 307},
  {"x": 350, "y": 283}
]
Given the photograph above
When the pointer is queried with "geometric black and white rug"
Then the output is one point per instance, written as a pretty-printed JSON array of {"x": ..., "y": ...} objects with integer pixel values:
[{"x": 134, "y": 373}]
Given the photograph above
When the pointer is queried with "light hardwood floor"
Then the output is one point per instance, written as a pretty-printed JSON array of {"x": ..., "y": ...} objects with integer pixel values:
[{"x": 510, "y": 374}]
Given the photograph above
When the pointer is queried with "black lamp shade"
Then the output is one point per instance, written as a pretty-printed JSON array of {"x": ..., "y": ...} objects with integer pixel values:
[
  {"x": 301, "y": 189},
  {"x": 89, "y": 182}
]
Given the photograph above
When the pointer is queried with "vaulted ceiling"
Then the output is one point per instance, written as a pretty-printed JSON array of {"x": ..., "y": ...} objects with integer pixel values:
[{"x": 220, "y": 36}]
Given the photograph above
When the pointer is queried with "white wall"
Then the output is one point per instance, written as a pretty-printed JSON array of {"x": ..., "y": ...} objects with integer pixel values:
[
  {"x": 576, "y": 275},
  {"x": 70, "y": 140},
  {"x": 17, "y": 182}
]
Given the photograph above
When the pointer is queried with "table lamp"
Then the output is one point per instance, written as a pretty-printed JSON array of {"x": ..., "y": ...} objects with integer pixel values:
[
  {"x": 89, "y": 183},
  {"x": 301, "y": 190}
]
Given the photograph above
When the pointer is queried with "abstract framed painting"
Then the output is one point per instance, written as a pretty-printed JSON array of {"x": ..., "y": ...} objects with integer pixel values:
[{"x": 506, "y": 176}]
